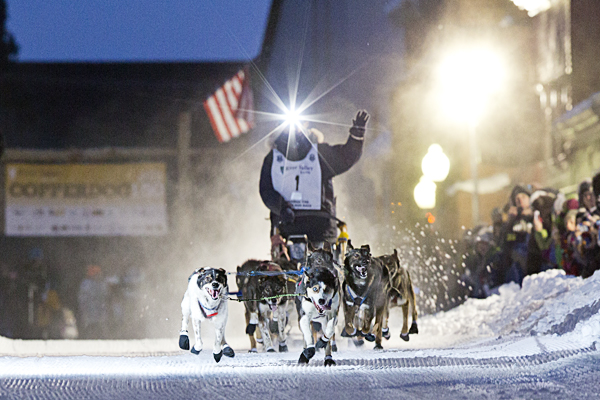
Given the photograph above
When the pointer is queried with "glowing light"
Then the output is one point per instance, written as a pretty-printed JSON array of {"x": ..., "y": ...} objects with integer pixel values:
[
  {"x": 467, "y": 78},
  {"x": 430, "y": 218},
  {"x": 424, "y": 193},
  {"x": 533, "y": 7},
  {"x": 292, "y": 117},
  {"x": 435, "y": 164}
]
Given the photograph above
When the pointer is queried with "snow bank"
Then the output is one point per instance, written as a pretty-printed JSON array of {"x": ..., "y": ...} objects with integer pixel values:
[{"x": 550, "y": 304}]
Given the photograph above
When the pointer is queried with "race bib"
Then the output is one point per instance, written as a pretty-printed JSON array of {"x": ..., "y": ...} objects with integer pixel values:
[{"x": 298, "y": 182}]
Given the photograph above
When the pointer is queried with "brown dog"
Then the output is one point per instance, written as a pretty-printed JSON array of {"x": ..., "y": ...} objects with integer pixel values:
[
  {"x": 264, "y": 286},
  {"x": 400, "y": 294},
  {"x": 365, "y": 295}
]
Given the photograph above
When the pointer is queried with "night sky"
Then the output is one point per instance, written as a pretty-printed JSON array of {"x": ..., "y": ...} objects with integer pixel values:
[{"x": 137, "y": 30}]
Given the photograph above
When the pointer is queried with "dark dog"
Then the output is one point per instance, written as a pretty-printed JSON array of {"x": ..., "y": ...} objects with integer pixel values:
[
  {"x": 265, "y": 301},
  {"x": 320, "y": 303},
  {"x": 205, "y": 299},
  {"x": 365, "y": 295},
  {"x": 400, "y": 294}
]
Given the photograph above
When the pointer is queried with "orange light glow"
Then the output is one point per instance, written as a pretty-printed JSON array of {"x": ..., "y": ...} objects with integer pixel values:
[{"x": 430, "y": 218}]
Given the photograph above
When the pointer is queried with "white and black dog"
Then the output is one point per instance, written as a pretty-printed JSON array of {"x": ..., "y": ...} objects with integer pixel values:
[
  {"x": 205, "y": 299},
  {"x": 321, "y": 303}
]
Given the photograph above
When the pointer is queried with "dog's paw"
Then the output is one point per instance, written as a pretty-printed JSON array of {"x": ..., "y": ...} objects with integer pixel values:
[
  {"x": 329, "y": 361},
  {"x": 385, "y": 333},
  {"x": 250, "y": 328},
  {"x": 369, "y": 337},
  {"x": 303, "y": 359},
  {"x": 309, "y": 352},
  {"x": 346, "y": 334},
  {"x": 334, "y": 347},
  {"x": 253, "y": 350},
  {"x": 228, "y": 351},
  {"x": 404, "y": 336},
  {"x": 195, "y": 351},
  {"x": 218, "y": 356},
  {"x": 414, "y": 329},
  {"x": 306, "y": 355},
  {"x": 184, "y": 342},
  {"x": 274, "y": 326},
  {"x": 283, "y": 348},
  {"x": 321, "y": 344},
  {"x": 270, "y": 350},
  {"x": 378, "y": 346},
  {"x": 358, "y": 342}
]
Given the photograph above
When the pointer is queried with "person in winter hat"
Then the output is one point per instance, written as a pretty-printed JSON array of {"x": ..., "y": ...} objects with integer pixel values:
[
  {"x": 588, "y": 224},
  {"x": 587, "y": 197},
  {"x": 481, "y": 265},
  {"x": 517, "y": 230},
  {"x": 541, "y": 249},
  {"x": 296, "y": 180},
  {"x": 516, "y": 200}
]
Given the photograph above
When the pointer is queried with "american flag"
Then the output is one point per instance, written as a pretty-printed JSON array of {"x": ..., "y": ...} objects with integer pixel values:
[{"x": 230, "y": 107}]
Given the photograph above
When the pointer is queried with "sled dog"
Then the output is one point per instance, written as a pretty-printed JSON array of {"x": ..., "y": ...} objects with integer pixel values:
[
  {"x": 400, "y": 294},
  {"x": 320, "y": 303},
  {"x": 365, "y": 295},
  {"x": 265, "y": 302},
  {"x": 205, "y": 299}
]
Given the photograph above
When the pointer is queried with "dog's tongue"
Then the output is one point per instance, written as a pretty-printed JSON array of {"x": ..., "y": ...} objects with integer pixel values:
[
  {"x": 320, "y": 309},
  {"x": 273, "y": 307},
  {"x": 213, "y": 293}
]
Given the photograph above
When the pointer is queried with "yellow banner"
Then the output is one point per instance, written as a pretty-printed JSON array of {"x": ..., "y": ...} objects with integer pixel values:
[{"x": 85, "y": 199}]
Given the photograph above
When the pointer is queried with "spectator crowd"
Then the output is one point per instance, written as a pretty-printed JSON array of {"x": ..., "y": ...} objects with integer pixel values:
[
  {"x": 34, "y": 302},
  {"x": 538, "y": 229}
]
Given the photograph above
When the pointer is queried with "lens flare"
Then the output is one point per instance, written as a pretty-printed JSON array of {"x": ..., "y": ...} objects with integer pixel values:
[{"x": 292, "y": 117}]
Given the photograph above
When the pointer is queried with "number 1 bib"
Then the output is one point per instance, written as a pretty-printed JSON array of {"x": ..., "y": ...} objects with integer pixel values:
[{"x": 298, "y": 182}]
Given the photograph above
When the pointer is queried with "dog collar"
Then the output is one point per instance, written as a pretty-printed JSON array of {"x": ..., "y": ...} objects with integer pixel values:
[{"x": 204, "y": 309}]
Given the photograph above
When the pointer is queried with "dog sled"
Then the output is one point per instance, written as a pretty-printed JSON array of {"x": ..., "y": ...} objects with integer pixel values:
[{"x": 295, "y": 247}]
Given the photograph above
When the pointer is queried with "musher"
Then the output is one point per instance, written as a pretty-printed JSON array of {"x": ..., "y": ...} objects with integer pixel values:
[{"x": 296, "y": 181}]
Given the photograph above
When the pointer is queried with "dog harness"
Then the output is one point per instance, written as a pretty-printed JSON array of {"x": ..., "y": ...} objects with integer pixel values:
[
  {"x": 356, "y": 299},
  {"x": 204, "y": 309}
]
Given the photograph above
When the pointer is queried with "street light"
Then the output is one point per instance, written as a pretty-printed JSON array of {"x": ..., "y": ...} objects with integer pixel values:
[
  {"x": 424, "y": 194},
  {"x": 435, "y": 165},
  {"x": 468, "y": 78},
  {"x": 533, "y": 7}
]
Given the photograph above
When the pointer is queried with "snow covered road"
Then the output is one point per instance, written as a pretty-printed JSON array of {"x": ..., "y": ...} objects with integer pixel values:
[
  {"x": 538, "y": 342},
  {"x": 563, "y": 374}
]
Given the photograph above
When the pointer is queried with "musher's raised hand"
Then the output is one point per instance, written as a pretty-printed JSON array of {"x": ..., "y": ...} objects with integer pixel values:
[{"x": 359, "y": 124}]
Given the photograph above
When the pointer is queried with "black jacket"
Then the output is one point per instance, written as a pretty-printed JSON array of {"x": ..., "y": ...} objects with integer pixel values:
[{"x": 334, "y": 160}]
